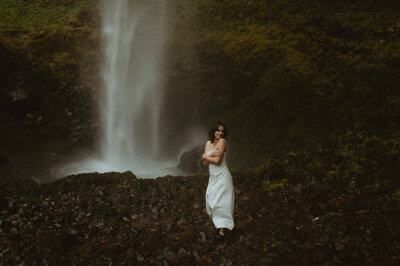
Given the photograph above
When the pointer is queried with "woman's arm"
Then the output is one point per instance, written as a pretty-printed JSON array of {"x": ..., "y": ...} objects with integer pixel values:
[
  {"x": 216, "y": 157},
  {"x": 205, "y": 163}
]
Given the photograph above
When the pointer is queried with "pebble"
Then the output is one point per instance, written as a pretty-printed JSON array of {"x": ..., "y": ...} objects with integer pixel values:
[
  {"x": 155, "y": 210},
  {"x": 203, "y": 237},
  {"x": 72, "y": 231},
  {"x": 195, "y": 253},
  {"x": 182, "y": 252}
]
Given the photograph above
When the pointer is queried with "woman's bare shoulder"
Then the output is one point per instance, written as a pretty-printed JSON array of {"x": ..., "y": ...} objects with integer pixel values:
[{"x": 221, "y": 143}]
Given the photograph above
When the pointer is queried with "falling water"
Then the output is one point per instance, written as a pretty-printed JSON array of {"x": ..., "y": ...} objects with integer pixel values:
[
  {"x": 133, "y": 50},
  {"x": 134, "y": 37}
]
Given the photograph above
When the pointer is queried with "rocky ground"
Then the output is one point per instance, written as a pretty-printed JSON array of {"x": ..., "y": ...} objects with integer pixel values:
[{"x": 115, "y": 218}]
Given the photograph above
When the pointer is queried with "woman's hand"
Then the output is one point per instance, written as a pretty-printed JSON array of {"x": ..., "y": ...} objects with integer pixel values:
[
  {"x": 217, "y": 153},
  {"x": 203, "y": 158}
]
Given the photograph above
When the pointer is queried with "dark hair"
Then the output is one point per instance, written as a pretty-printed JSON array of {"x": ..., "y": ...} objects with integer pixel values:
[{"x": 214, "y": 127}]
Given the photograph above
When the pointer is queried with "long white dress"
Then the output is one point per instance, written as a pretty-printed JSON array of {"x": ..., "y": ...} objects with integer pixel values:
[{"x": 220, "y": 197}]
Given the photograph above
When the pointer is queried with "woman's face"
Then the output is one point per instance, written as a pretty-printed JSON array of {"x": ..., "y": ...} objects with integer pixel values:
[{"x": 219, "y": 133}]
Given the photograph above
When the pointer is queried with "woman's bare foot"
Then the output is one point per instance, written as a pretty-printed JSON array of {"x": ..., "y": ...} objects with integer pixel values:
[{"x": 221, "y": 231}]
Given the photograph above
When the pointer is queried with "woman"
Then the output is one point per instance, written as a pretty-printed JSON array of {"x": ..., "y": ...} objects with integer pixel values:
[{"x": 220, "y": 194}]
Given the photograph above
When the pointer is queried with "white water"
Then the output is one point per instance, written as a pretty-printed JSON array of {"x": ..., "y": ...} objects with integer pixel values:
[
  {"x": 134, "y": 34},
  {"x": 134, "y": 48}
]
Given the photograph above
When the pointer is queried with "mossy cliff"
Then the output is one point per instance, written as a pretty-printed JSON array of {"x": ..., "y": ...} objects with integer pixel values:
[
  {"x": 283, "y": 74},
  {"x": 291, "y": 74},
  {"x": 48, "y": 67},
  {"x": 60, "y": 37}
]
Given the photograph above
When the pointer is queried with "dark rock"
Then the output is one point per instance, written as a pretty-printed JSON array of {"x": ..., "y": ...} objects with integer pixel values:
[
  {"x": 97, "y": 179},
  {"x": 169, "y": 255},
  {"x": 182, "y": 252},
  {"x": 59, "y": 128},
  {"x": 3, "y": 160},
  {"x": 265, "y": 261},
  {"x": 3, "y": 202},
  {"x": 191, "y": 162},
  {"x": 203, "y": 237},
  {"x": 68, "y": 238},
  {"x": 195, "y": 253},
  {"x": 298, "y": 188}
]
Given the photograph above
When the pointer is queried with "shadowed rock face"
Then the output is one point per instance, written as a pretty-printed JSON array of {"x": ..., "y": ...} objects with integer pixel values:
[
  {"x": 3, "y": 159},
  {"x": 190, "y": 161}
]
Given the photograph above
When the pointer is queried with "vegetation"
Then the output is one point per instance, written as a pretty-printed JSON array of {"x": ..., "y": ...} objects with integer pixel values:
[
  {"x": 302, "y": 74},
  {"x": 56, "y": 35}
]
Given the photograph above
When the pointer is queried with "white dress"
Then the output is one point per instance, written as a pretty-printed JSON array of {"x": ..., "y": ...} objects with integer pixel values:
[{"x": 220, "y": 197}]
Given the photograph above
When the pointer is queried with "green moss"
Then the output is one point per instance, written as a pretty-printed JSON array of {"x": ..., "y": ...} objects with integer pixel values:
[
  {"x": 270, "y": 186},
  {"x": 44, "y": 32},
  {"x": 394, "y": 197},
  {"x": 48, "y": 16}
]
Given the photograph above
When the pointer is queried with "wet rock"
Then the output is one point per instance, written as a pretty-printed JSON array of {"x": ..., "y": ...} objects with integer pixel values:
[
  {"x": 155, "y": 210},
  {"x": 220, "y": 248},
  {"x": 182, "y": 252},
  {"x": 203, "y": 237},
  {"x": 169, "y": 226},
  {"x": 199, "y": 221},
  {"x": 140, "y": 258},
  {"x": 84, "y": 134},
  {"x": 169, "y": 256},
  {"x": 265, "y": 261},
  {"x": 191, "y": 162}
]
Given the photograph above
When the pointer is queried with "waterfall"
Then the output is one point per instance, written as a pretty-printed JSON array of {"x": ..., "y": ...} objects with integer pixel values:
[
  {"x": 134, "y": 37},
  {"x": 134, "y": 33}
]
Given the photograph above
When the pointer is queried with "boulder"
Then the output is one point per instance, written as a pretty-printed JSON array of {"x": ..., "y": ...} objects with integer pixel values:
[{"x": 191, "y": 162}]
